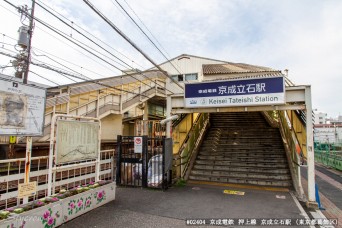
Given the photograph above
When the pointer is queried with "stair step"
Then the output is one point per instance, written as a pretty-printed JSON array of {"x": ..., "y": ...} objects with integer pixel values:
[
  {"x": 218, "y": 149},
  {"x": 236, "y": 174},
  {"x": 242, "y": 148},
  {"x": 240, "y": 159},
  {"x": 242, "y": 151},
  {"x": 255, "y": 163},
  {"x": 250, "y": 181},
  {"x": 239, "y": 168}
]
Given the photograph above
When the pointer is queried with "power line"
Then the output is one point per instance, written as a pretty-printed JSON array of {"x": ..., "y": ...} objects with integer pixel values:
[
  {"x": 65, "y": 73},
  {"x": 86, "y": 78},
  {"x": 65, "y": 36},
  {"x": 98, "y": 39},
  {"x": 47, "y": 53},
  {"x": 129, "y": 41},
  {"x": 98, "y": 46},
  {"x": 148, "y": 29},
  {"x": 84, "y": 54},
  {"x": 84, "y": 35},
  {"x": 55, "y": 55},
  {"x": 146, "y": 35},
  {"x": 61, "y": 69},
  {"x": 44, "y": 78},
  {"x": 75, "y": 76}
]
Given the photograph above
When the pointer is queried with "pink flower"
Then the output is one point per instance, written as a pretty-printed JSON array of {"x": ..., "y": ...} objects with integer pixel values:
[
  {"x": 99, "y": 195},
  {"x": 80, "y": 203},
  {"x": 50, "y": 221},
  {"x": 46, "y": 215},
  {"x": 54, "y": 199},
  {"x": 72, "y": 205},
  {"x": 88, "y": 202}
]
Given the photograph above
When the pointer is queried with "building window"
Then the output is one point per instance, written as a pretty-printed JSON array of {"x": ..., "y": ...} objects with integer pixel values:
[
  {"x": 191, "y": 77},
  {"x": 185, "y": 77},
  {"x": 178, "y": 78}
]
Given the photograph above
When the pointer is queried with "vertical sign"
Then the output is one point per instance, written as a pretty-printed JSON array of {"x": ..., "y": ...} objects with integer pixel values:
[{"x": 138, "y": 145}]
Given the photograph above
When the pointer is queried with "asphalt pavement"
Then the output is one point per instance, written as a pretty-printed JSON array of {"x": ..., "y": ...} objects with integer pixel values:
[{"x": 136, "y": 207}]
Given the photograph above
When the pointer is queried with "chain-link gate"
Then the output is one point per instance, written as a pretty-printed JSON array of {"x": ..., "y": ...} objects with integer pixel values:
[{"x": 144, "y": 162}]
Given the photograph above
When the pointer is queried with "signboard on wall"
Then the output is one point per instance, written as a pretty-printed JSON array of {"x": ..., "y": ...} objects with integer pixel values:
[
  {"x": 76, "y": 141},
  {"x": 246, "y": 92},
  {"x": 27, "y": 189},
  {"x": 22, "y": 109},
  {"x": 138, "y": 145}
]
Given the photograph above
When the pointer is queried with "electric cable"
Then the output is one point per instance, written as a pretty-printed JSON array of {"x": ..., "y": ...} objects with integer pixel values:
[
  {"x": 98, "y": 46},
  {"x": 112, "y": 25},
  {"x": 44, "y": 78},
  {"x": 98, "y": 39},
  {"x": 146, "y": 35}
]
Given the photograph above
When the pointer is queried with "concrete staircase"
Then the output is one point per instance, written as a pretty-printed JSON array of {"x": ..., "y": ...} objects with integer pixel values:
[{"x": 242, "y": 148}]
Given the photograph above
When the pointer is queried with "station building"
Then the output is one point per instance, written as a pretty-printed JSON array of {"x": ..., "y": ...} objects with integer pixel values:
[{"x": 253, "y": 139}]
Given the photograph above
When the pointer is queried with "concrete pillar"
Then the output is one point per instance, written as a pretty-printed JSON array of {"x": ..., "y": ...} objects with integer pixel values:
[{"x": 310, "y": 150}]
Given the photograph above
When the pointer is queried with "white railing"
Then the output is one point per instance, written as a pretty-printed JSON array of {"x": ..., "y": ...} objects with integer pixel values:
[{"x": 12, "y": 173}]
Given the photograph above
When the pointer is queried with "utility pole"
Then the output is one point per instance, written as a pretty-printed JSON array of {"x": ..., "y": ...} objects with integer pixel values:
[
  {"x": 30, "y": 32},
  {"x": 28, "y": 138}
]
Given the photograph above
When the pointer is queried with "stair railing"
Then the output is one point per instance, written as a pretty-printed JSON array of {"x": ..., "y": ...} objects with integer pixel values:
[
  {"x": 292, "y": 146},
  {"x": 187, "y": 152}
]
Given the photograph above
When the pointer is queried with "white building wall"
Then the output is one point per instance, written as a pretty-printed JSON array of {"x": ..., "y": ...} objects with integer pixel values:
[
  {"x": 187, "y": 64},
  {"x": 320, "y": 118},
  {"x": 328, "y": 134}
]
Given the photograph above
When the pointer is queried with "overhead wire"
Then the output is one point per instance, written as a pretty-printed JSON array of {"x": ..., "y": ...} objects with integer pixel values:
[
  {"x": 145, "y": 34},
  {"x": 84, "y": 54},
  {"x": 44, "y": 78},
  {"x": 98, "y": 39},
  {"x": 52, "y": 54},
  {"x": 100, "y": 47},
  {"x": 93, "y": 42},
  {"x": 65, "y": 73},
  {"x": 113, "y": 26},
  {"x": 87, "y": 78},
  {"x": 75, "y": 76},
  {"x": 131, "y": 8},
  {"x": 67, "y": 61},
  {"x": 61, "y": 69}
]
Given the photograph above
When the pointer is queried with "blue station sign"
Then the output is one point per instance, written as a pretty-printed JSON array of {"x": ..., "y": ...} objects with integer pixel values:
[{"x": 247, "y": 92}]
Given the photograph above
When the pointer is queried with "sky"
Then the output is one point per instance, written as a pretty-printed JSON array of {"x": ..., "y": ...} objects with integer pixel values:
[{"x": 303, "y": 36}]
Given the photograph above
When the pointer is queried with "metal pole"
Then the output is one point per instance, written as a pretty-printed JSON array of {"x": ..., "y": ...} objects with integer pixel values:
[
  {"x": 98, "y": 164},
  {"x": 27, "y": 163},
  {"x": 29, "y": 45},
  {"x": 310, "y": 151},
  {"x": 52, "y": 144},
  {"x": 28, "y": 138}
]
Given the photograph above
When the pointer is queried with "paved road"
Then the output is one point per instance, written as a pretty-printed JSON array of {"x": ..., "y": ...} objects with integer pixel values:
[
  {"x": 135, "y": 207},
  {"x": 326, "y": 186},
  {"x": 330, "y": 191}
]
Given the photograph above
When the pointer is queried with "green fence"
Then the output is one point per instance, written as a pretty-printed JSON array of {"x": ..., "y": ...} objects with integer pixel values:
[{"x": 329, "y": 155}]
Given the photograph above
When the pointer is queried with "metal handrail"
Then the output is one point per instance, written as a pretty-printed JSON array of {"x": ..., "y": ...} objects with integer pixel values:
[{"x": 194, "y": 136}]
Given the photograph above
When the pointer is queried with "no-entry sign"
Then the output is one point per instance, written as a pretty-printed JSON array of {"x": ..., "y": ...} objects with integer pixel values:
[{"x": 138, "y": 145}]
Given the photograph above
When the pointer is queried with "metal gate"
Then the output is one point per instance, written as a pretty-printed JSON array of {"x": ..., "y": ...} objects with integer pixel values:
[{"x": 144, "y": 162}]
